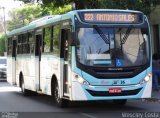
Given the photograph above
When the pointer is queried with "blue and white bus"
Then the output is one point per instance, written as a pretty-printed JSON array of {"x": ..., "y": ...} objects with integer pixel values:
[{"x": 83, "y": 55}]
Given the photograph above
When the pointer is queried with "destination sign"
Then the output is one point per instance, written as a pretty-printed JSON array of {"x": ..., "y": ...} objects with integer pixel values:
[{"x": 105, "y": 17}]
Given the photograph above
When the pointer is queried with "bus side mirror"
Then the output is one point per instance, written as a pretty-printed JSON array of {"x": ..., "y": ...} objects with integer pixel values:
[{"x": 72, "y": 41}]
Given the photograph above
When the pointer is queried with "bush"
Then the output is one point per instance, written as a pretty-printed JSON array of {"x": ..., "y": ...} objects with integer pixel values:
[{"x": 2, "y": 44}]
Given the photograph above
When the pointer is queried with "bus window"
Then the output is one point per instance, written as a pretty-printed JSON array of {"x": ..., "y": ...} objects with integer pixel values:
[
  {"x": 31, "y": 38},
  {"x": 9, "y": 46},
  {"x": 31, "y": 42},
  {"x": 19, "y": 46},
  {"x": 25, "y": 38},
  {"x": 14, "y": 47},
  {"x": 25, "y": 45},
  {"x": 64, "y": 43},
  {"x": 56, "y": 41},
  {"x": 47, "y": 39},
  {"x": 51, "y": 44},
  {"x": 38, "y": 44}
]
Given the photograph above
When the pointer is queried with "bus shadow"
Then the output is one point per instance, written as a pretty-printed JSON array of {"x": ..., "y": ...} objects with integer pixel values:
[
  {"x": 101, "y": 106},
  {"x": 83, "y": 106}
]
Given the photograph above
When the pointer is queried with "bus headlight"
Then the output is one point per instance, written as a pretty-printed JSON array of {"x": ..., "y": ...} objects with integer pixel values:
[
  {"x": 146, "y": 79},
  {"x": 80, "y": 79}
]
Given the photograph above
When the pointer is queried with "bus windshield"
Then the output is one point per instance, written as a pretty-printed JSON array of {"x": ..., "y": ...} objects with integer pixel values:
[{"x": 112, "y": 47}]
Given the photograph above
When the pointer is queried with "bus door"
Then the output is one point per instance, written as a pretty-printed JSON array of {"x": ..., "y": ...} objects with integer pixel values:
[
  {"x": 38, "y": 44},
  {"x": 65, "y": 54},
  {"x": 14, "y": 60}
]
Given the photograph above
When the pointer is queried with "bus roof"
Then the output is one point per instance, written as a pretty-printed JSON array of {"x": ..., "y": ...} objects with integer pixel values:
[
  {"x": 55, "y": 18},
  {"x": 116, "y": 10}
]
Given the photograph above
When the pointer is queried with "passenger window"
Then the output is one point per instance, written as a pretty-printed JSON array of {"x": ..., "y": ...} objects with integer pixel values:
[
  {"x": 56, "y": 39},
  {"x": 9, "y": 51},
  {"x": 31, "y": 42},
  {"x": 47, "y": 39}
]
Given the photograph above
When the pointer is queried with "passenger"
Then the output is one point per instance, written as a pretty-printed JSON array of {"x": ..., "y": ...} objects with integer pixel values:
[{"x": 156, "y": 71}]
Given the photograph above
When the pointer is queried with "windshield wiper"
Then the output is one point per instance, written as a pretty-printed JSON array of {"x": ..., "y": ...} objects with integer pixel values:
[
  {"x": 99, "y": 50},
  {"x": 102, "y": 35},
  {"x": 124, "y": 39}
]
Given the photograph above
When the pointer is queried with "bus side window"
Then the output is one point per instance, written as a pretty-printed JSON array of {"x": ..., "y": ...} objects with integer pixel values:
[
  {"x": 9, "y": 50},
  {"x": 64, "y": 43},
  {"x": 14, "y": 45},
  {"x": 56, "y": 40},
  {"x": 31, "y": 42},
  {"x": 19, "y": 45},
  {"x": 9, "y": 46},
  {"x": 25, "y": 43},
  {"x": 47, "y": 39},
  {"x": 51, "y": 44}
]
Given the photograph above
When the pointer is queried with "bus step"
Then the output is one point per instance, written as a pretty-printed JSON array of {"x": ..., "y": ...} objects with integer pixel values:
[
  {"x": 66, "y": 94},
  {"x": 39, "y": 92}
]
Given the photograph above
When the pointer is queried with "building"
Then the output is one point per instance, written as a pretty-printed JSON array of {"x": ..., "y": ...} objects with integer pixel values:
[{"x": 154, "y": 19}]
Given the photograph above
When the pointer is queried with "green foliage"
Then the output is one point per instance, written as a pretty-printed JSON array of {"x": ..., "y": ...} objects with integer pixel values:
[
  {"x": 145, "y": 6},
  {"x": 79, "y": 4},
  {"x": 2, "y": 44},
  {"x": 141, "y": 5},
  {"x": 22, "y": 16},
  {"x": 59, "y": 10},
  {"x": 26, "y": 1}
]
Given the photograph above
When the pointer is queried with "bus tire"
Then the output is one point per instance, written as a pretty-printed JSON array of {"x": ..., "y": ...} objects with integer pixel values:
[
  {"x": 120, "y": 102},
  {"x": 56, "y": 95},
  {"x": 24, "y": 91}
]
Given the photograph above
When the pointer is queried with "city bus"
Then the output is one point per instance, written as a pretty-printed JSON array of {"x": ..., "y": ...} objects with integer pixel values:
[{"x": 83, "y": 55}]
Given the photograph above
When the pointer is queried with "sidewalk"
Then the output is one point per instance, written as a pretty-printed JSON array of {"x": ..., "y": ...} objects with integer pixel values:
[
  {"x": 155, "y": 97},
  {"x": 156, "y": 94}
]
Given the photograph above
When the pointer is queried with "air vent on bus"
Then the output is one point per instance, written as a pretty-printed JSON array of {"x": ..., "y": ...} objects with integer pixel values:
[
  {"x": 106, "y": 93},
  {"x": 44, "y": 18}
]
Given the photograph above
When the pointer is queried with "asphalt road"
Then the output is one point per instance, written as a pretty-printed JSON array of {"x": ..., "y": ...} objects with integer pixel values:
[{"x": 15, "y": 105}]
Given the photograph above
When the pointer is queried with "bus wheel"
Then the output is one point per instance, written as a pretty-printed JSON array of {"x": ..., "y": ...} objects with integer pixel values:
[
  {"x": 56, "y": 94},
  {"x": 120, "y": 102},
  {"x": 24, "y": 91}
]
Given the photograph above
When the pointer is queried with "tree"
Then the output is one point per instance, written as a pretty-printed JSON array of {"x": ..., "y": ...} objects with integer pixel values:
[
  {"x": 145, "y": 6},
  {"x": 58, "y": 10},
  {"x": 142, "y": 5},
  {"x": 22, "y": 16},
  {"x": 79, "y": 4},
  {"x": 2, "y": 44}
]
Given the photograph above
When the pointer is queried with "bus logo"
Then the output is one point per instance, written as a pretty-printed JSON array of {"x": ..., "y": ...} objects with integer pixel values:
[{"x": 119, "y": 62}]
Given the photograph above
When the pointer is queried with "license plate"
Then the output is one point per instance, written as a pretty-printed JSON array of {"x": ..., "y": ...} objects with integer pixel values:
[{"x": 115, "y": 90}]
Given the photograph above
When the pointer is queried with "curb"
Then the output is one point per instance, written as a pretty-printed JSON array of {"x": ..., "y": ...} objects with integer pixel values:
[{"x": 152, "y": 100}]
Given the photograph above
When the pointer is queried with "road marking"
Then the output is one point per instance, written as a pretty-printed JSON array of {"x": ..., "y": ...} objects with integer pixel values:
[{"x": 89, "y": 116}]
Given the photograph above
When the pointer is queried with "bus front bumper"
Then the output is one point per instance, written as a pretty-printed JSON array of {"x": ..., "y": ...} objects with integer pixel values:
[{"x": 82, "y": 92}]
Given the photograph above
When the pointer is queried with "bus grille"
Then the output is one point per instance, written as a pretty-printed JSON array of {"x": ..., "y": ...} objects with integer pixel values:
[{"x": 106, "y": 93}]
